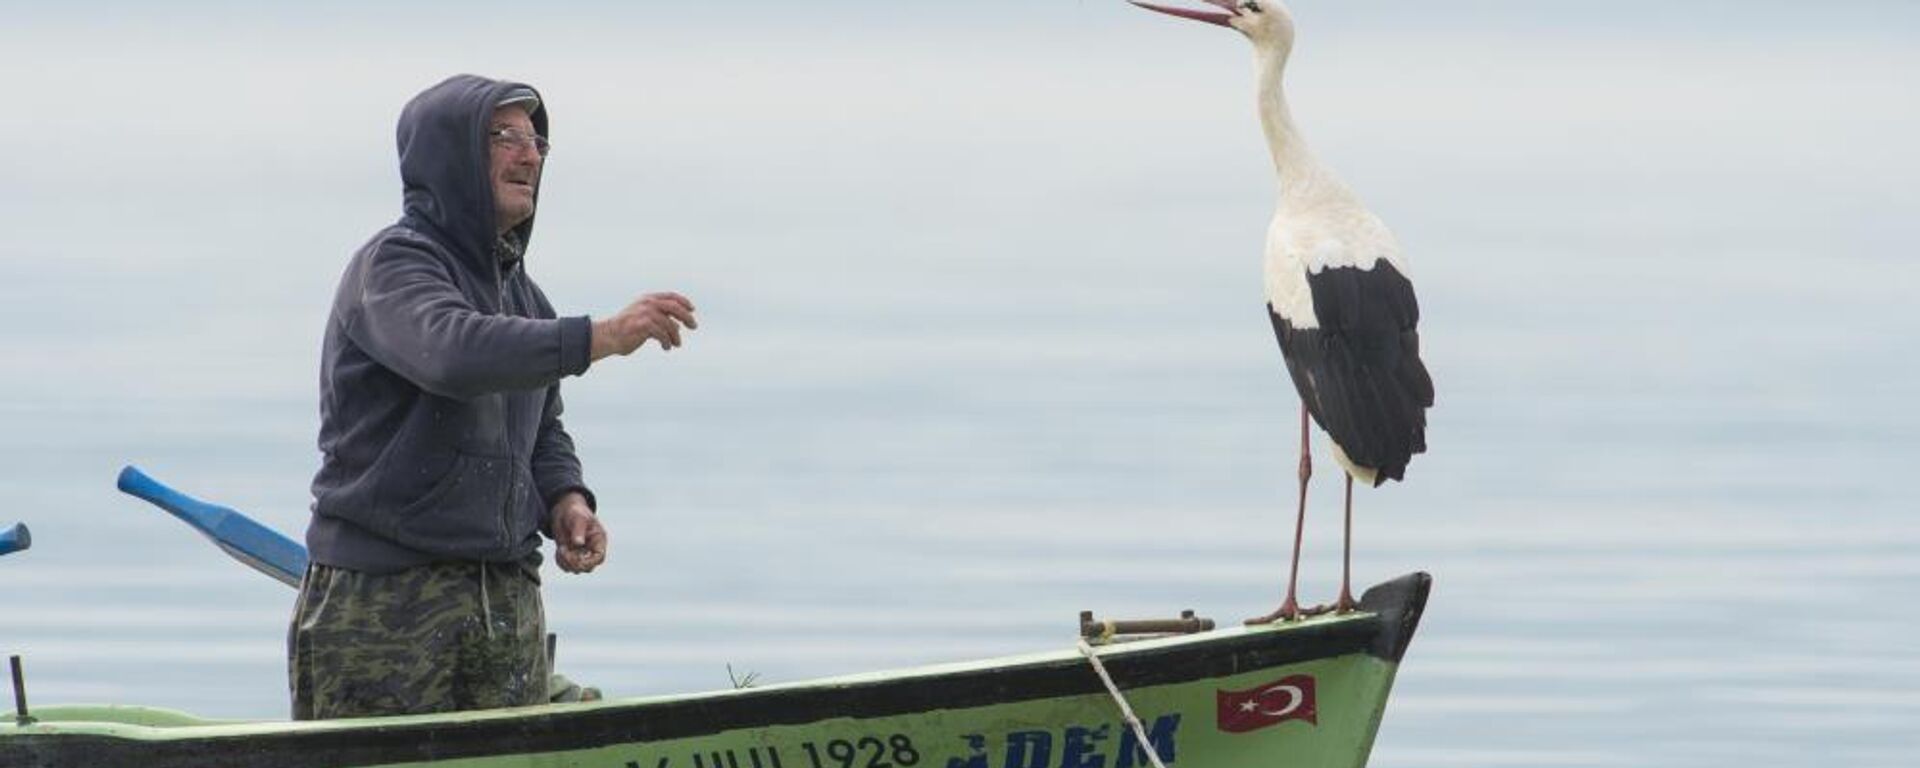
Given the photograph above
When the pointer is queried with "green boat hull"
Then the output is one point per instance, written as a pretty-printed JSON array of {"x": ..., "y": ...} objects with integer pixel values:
[{"x": 1308, "y": 693}]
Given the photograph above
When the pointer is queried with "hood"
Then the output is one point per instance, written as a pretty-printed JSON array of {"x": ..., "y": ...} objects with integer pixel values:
[{"x": 444, "y": 161}]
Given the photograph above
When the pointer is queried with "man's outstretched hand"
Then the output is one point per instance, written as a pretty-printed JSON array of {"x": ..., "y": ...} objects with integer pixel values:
[
  {"x": 657, "y": 316},
  {"x": 578, "y": 536}
]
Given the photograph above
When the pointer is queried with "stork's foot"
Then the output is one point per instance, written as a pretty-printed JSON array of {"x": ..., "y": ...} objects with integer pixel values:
[
  {"x": 1290, "y": 611},
  {"x": 1346, "y": 603}
]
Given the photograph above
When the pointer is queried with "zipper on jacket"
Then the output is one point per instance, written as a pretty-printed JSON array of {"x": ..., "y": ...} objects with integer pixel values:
[{"x": 511, "y": 425}]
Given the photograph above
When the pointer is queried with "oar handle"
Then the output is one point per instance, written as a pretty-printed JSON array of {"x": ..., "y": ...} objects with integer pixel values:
[
  {"x": 263, "y": 548},
  {"x": 14, "y": 538}
]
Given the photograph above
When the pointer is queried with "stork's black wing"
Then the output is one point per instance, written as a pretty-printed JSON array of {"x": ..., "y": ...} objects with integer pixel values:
[{"x": 1360, "y": 372}]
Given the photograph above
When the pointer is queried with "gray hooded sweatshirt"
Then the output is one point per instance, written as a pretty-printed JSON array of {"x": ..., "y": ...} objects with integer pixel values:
[{"x": 441, "y": 366}]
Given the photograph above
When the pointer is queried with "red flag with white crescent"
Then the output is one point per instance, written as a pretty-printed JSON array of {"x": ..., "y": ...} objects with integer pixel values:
[{"x": 1289, "y": 698}]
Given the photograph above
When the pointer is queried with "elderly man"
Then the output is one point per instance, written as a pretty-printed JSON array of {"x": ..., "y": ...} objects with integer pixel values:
[{"x": 444, "y": 458}]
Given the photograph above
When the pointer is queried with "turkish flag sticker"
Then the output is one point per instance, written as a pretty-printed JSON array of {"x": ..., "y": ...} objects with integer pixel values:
[{"x": 1289, "y": 698}]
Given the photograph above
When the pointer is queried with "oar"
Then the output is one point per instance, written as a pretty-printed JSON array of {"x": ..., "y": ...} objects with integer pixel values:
[
  {"x": 268, "y": 552},
  {"x": 260, "y": 547},
  {"x": 15, "y": 538}
]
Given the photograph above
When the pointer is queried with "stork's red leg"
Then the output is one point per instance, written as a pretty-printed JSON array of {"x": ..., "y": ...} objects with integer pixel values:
[
  {"x": 1290, "y": 610},
  {"x": 1346, "y": 603}
]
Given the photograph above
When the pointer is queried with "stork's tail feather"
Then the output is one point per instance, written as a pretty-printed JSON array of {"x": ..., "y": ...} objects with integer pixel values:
[{"x": 1389, "y": 426}]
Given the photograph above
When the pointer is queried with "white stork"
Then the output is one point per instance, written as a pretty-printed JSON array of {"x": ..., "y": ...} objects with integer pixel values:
[{"x": 1339, "y": 297}]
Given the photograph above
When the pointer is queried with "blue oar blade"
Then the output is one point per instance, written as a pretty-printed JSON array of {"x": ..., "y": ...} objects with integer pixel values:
[
  {"x": 260, "y": 547},
  {"x": 14, "y": 538}
]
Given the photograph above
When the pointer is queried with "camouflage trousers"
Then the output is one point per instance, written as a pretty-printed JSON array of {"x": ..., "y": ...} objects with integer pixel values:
[{"x": 435, "y": 638}]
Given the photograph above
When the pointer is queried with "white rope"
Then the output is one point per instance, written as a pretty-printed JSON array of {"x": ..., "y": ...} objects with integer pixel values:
[{"x": 1139, "y": 732}]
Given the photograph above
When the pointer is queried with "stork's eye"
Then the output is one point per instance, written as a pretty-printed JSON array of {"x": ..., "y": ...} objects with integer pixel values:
[{"x": 1250, "y": 6}]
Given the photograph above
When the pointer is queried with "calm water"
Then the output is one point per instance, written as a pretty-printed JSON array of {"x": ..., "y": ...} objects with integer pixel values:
[{"x": 982, "y": 347}]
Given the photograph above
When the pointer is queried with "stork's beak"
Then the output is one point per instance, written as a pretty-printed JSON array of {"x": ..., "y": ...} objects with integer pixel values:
[{"x": 1209, "y": 17}]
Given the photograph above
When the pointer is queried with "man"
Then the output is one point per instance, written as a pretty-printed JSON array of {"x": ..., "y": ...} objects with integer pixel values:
[{"x": 444, "y": 458}]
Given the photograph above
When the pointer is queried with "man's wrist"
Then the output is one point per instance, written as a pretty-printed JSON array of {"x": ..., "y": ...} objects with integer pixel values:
[
  {"x": 600, "y": 343},
  {"x": 564, "y": 498}
]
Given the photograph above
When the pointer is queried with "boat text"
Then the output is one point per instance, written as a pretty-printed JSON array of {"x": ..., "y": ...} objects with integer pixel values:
[
  {"x": 1077, "y": 746},
  {"x": 889, "y": 751}
]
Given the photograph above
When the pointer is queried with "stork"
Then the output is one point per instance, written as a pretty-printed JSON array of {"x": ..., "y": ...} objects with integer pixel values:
[{"x": 1339, "y": 298}]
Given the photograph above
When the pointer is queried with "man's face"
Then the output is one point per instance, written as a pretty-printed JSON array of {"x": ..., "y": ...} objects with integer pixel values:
[{"x": 516, "y": 167}]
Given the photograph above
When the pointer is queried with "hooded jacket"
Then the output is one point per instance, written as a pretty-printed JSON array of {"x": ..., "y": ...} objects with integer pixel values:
[{"x": 440, "y": 404}]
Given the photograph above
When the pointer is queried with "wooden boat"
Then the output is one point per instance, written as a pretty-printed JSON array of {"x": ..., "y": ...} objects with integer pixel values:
[
  {"x": 1310, "y": 693},
  {"x": 1305, "y": 693}
]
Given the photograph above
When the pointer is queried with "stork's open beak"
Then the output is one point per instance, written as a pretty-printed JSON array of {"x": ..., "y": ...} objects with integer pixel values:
[{"x": 1209, "y": 17}]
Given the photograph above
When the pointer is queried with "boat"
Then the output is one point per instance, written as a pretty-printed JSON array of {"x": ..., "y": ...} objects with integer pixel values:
[
  {"x": 1306, "y": 693},
  {"x": 1126, "y": 695}
]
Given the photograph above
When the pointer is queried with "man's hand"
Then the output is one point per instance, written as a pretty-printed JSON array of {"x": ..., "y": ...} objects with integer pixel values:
[
  {"x": 656, "y": 316},
  {"x": 578, "y": 535}
]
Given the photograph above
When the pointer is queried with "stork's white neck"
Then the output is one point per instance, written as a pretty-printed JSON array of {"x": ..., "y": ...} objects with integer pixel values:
[{"x": 1291, "y": 159}]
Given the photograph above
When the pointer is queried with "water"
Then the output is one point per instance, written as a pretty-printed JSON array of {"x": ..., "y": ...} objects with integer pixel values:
[{"x": 981, "y": 348}]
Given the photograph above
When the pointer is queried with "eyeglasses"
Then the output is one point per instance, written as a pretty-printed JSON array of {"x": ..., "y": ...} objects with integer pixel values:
[{"x": 517, "y": 139}]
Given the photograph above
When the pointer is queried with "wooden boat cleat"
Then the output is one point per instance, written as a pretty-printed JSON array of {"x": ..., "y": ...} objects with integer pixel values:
[{"x": 1113, "y": 631}]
